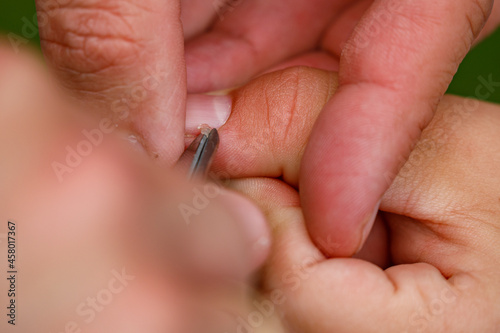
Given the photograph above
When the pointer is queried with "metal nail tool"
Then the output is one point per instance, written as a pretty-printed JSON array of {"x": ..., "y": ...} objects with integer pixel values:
[{"x": 202, "y": 151}]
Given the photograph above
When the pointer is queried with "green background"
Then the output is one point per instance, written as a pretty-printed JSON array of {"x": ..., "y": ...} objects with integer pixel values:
[{"x": 483, "y": 61}]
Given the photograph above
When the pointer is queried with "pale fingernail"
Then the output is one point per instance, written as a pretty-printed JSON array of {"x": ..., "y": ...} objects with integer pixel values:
[
  {"x": 212, "y": 110},
  {"x": 367, "y": 226}
]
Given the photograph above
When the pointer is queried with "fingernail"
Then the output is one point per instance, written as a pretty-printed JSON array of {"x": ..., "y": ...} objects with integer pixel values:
[
  {"x": 207, "y": 109},
  {"x": 367, "y": 225}
]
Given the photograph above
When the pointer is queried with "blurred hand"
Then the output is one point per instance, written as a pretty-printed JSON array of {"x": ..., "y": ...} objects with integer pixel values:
[
  {"x": 430, "y": 263},
  {"x": 102, "y": 242}
]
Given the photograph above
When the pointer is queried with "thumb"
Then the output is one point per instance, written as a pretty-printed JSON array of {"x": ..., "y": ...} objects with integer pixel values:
[
  {"x": 124, "y": 58},
  {"x": 391, "y": 81}
]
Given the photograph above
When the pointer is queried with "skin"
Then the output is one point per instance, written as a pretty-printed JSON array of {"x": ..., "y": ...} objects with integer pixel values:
[
  {"x": 103, "y": 61},
  {"x": 124, "y": 59},
  {"x": 430, "y": 263},
  {"x": 371, "y": 125},
  {"x": 115, "y": 213},
  {"x": 101, "y": 51},
  {"x": 222, "y": 41},
  {"x": 436, "y": 211}
]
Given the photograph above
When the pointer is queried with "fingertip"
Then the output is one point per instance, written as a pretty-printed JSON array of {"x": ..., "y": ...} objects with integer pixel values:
[
  {"x": 339, "y": 195},
  {"x": 367, "y": 225},
  {"x": 356, "y": 147}
]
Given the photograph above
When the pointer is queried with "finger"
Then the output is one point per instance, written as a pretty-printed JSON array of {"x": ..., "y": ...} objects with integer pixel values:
[
  {"x": 124, "y": 58},
  {"x": 341, "y": 28},
  {"x": 245, "y": 150},
  {"x": 270, "y": 123},
  {"x": 252, "y": 36},
  {"x": 213, "y": 235},
  {"x": 280, "y": 195},
  {"x": 379, "y": 110},
  {"x": 492, "y": 23},
  {"x": 64, "y": 269},
  {"x": 197, "y": 16},
  {"x": 110, "y": 211},
  {"x": 316, "y": 59},
  {"x": 301, "y": 284},
  {"x": 293, "y": 99},
  {"x": 29, "y": 125}
]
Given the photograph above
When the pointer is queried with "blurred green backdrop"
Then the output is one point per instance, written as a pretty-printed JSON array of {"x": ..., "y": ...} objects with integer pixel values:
[{"x": 482, "y": 63}]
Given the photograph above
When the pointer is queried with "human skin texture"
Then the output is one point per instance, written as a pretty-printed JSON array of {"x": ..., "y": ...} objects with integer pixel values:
[
  {"x": 430, "y": 263},
  {"x": 395, "y": 60},
  {"x": 99, "y": 240},
  {"x": 437, "y": 238}
]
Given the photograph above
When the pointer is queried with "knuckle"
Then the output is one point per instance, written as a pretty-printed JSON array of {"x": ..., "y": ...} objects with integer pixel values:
[{"x": 88, "y": 39}]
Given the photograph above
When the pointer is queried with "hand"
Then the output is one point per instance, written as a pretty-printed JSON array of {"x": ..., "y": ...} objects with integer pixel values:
[
  {"x": 396, "y": 61},
  {"x": 230, "y": 41},
  {"x": 124, "y": 59},
  {"x": 101, "y": 244},
  {"x": 430, "y": 263},
  {"x": 105, "y": 52}
]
